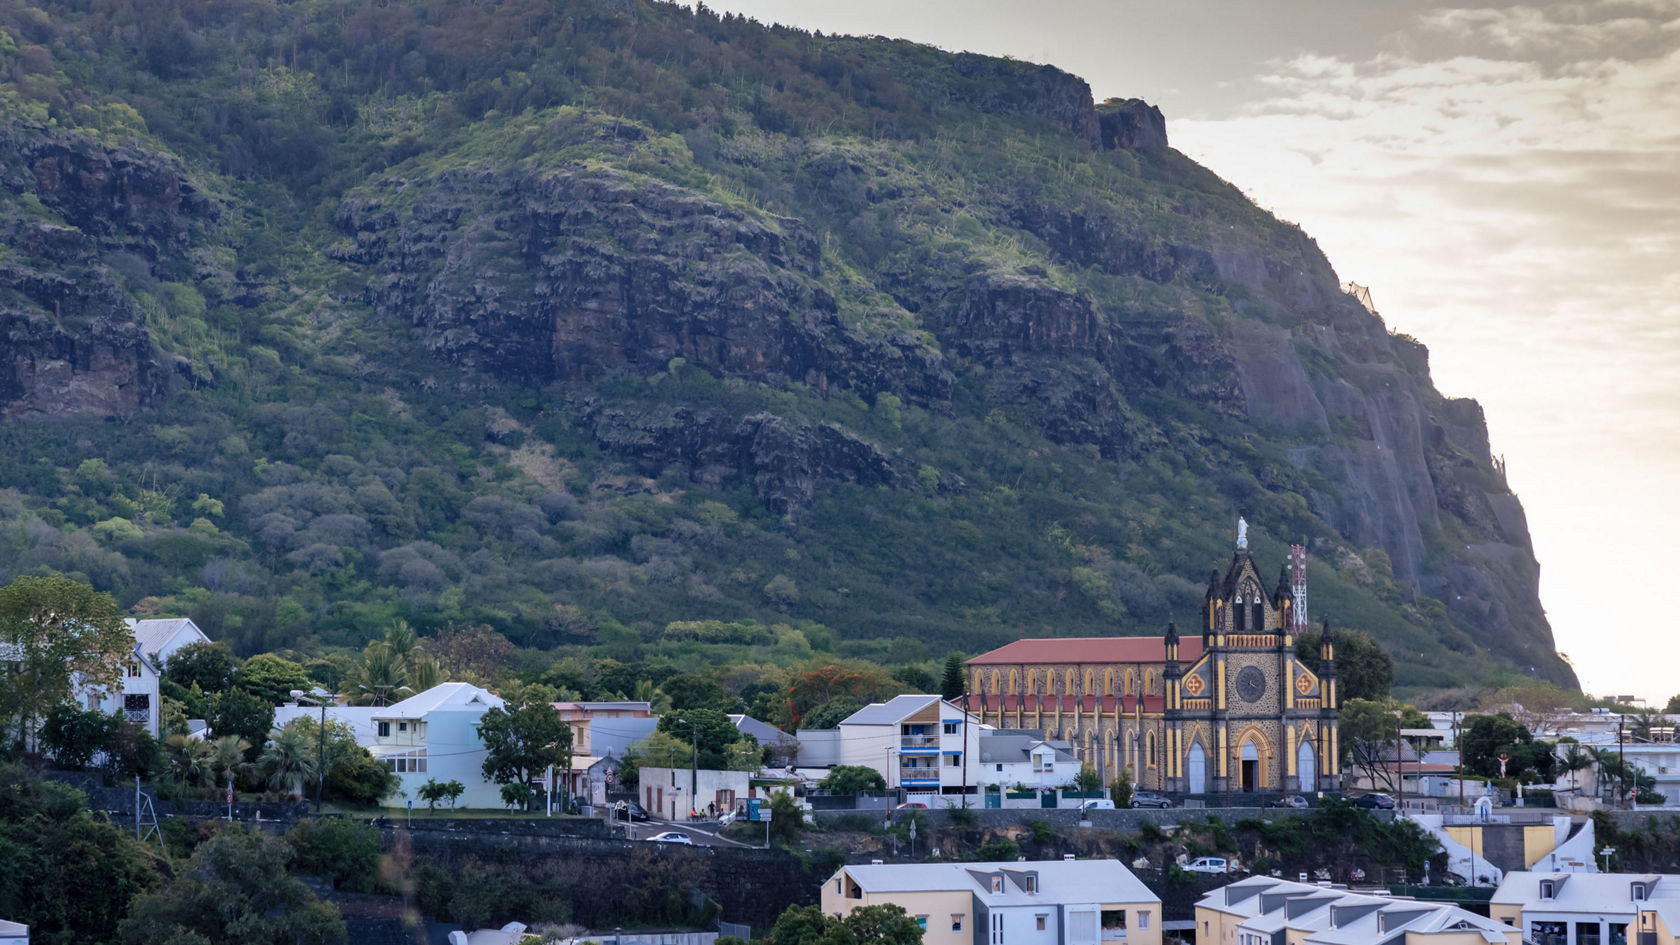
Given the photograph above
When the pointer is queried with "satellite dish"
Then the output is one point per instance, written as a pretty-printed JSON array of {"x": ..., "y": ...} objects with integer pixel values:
[{"x": 985, "y": 756}]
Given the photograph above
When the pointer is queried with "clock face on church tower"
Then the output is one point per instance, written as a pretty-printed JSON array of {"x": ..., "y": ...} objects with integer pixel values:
[{"x": 1251, "y": 684}]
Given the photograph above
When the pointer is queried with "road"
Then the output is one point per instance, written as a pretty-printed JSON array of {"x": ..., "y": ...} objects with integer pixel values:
[{"x": 703, "y": 834}]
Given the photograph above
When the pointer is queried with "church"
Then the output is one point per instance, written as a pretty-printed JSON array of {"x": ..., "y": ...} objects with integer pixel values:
[{"x": 1229, "y": 711}]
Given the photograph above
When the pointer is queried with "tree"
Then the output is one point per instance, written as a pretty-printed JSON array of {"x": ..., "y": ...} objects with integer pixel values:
[
  {"x": 787, "y": 818},
  {"x": 715, "y": 734},
  {"x": 1120, "y": 791},
  {"x": 1368, "y": 731},
  {"x": 272, "y": 678},
  {"x": 191, "y": 760},
  {"x": 1364, "y": 670},
  {"x": 288, "y": 763},
  {"x": 72, "y": 737},
  {"x": 858, "y": 682},
  {"x": 1485, "y": 737},
  {"x": 237, "y": 712},
  {"x": 885, "y": 924},
  {"x": 1087, "y": 781},
  {"x": 65, "y": 634},
  {"x": 522, "y": 743},
  {"x": 694, "y": 692},
  {"x": 235, "y": 888},
  {"x": 852, "y": 779},
  {"x": 210, "y": 665},
  {"x": 69, "y": 876},
  {"x": 952, "y": 685},
  {"x": 517, "y": 794},
  {"x": 434, "y": 790},
  {"x": 1673, "y": 706},
  {"x": 1575, "y": 759}
]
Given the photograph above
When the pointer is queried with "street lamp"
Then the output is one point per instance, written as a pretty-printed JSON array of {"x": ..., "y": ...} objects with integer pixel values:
[{"x": 320, "y": 743}]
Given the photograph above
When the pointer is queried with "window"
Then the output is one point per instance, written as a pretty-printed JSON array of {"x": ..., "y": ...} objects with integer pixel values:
[
  {"x": 997, "y": 884},
  {"x": 1638, "y": 891},
  {"x": 1143, "y": 918},
  {"x": 1039, "y": 920},
  {"x": 950, "y": 728},
  {"x": 1548, "y": 889},
  {"x": 921, "y": 922},
  {"x": 1032, "y": 883},
  {"x": 997, "y": 928},
  {"x": 134, "y": 669},
  {"x": 1114, "y": 920},
  {"x": 402, "y": 726},
  {"x": 1000, "y": 767},
  {"x": 384, "y": 729},
  {"x": 956, "y": 921},
  {"x": 951, "y": 761},
  {"x": 402, "y": 765}
]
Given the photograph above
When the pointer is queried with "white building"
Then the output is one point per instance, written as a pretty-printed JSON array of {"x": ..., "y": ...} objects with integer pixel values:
[
  {"x": 670, "y": 792},
  {"x": 920, "y": 743},
  {"x": 137, "y": 699},
  {"x": 1262, "y": 910},
  {"x": 13, "y": 933},
  {"x": 1579, "y": 908},
  {"x": 1022, "y": 757},
  {"x": 435, "y": 735},
  {"x": 1044, "y": 902}
]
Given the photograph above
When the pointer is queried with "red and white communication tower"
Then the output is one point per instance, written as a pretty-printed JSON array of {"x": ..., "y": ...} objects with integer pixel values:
[{"x": 1298, "y": 580}]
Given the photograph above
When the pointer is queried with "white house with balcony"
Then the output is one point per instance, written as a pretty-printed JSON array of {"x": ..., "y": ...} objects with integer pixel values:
[
  {"x": 922, "y": 744},
  {"x": 137, "y": 698},
  {"x": 1044, "y": 902},
  {"x": 435, "y": 735}
]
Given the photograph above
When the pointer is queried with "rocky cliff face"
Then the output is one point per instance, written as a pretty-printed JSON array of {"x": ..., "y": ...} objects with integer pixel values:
[
  {"x": 569, "y": 275},
  {"x": 74, "y": 341}
]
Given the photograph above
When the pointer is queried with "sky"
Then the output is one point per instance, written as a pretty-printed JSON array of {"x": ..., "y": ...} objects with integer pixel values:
[{"x": 1506, "y": 180}]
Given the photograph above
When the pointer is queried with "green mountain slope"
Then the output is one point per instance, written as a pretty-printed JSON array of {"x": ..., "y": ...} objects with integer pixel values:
[{"x": 578, "y": 319}]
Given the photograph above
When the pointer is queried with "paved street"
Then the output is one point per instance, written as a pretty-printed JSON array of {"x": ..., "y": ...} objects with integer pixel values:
[{"x": 702, "y": 833}]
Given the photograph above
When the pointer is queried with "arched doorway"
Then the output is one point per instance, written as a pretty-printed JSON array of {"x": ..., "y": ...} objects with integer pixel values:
[
  {"x": 1250, "y": 767},
  {"x": 1306, "y": 766},
  {"x": 1196, "y": 769}
]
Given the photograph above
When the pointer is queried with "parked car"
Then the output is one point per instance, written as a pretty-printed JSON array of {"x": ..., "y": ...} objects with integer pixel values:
[
  {"x": 1374, "y": 801},
  {"x": 911, "y": 805},
  {"x": 629, "y": 810},
  {"x": 1293, "y": 801},
  {"x": 1150, "y": 799},
  {"x": 672, "y": 836},
  {"x": 1209, "y": 864},
  {"x": 1096, "y": 805}
]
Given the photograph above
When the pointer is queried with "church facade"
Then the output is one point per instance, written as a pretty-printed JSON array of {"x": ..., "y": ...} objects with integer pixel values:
[{"x": 1231, "y": 710}]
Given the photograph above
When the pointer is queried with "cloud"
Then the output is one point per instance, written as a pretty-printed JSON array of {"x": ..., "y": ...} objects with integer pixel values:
[{"x": 1507, "y": 181}]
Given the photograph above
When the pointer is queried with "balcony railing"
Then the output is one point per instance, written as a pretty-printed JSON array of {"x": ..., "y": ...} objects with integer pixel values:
[{"x": 914, "y": 742}]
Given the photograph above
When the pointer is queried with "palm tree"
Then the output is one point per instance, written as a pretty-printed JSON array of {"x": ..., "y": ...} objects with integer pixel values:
[
  {"x": 381, "y": 674},
  {"x": 289, "y": 760},
  {"x": 193, "y": 759},
  {"x": 228, "y": 760},
  {"x": 1575, "y": 758}
]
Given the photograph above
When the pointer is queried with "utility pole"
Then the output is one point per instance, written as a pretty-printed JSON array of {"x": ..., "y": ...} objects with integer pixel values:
[
  {"x": 1621, "y": 763},
  {"x": 694, "y": 768}
]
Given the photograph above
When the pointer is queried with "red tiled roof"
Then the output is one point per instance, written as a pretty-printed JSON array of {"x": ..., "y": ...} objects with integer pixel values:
[{"x": 1089, "y": 650}]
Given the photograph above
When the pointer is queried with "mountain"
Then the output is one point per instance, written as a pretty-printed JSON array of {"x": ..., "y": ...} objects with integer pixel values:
[{"x": 612, "y": 323}]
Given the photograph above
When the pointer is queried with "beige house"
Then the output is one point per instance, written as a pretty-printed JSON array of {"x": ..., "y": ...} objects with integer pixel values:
[
  {"x": 1263, "y": 911},
  {"x": 1045, "y": 902}
]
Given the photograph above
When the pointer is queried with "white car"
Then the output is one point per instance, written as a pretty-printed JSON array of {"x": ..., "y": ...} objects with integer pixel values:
[
  {"x": 1209, "y": 864},
  {"x": 672, "y": 836}
]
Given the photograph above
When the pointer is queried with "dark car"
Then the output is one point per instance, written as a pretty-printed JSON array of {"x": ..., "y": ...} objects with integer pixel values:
[
  {"x": 1150, "y": 799},
  {"x": 1374, "y": 802},
  {"x": 1292, "y": 801},
  {"x": 629, "y": 810}
]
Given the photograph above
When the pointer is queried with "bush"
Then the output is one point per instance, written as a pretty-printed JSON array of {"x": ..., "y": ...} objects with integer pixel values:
[
  {"x": 963, "y": 817},
  {"x": 1041, "y": 830},
  {"x": 998, "y": 850},
  {"x": 347, "y": 851}
]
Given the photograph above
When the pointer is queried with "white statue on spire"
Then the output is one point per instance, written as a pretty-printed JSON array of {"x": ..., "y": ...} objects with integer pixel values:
[{"x": 1242, "y": 533}]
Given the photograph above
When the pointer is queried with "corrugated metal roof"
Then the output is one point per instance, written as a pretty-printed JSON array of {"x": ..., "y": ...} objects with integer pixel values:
[
  {"x": 1069, "y": 881},
  {"x": 444, "y": 697}
]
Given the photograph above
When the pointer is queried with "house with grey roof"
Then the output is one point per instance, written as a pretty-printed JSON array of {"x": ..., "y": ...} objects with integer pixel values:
[
  {"x": 1043, "y": 902},
  {"x": 1016, "y": 756},
  {"x": 1577, "y": 908},
  {"x": 136, "y": 698},
  {"x": 434, "y": 734},
  {"x": 1262, "y": 910}
]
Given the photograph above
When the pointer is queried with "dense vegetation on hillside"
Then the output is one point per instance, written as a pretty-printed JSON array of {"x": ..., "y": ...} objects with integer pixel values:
[{"x": 622, "y": 326}]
